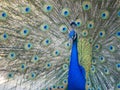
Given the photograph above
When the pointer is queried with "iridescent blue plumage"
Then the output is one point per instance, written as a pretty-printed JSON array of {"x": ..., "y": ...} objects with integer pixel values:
[{"x": 76, "y": 76}]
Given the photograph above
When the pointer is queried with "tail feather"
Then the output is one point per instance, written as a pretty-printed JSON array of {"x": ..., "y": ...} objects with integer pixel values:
[{"x": 35, "y": 47}]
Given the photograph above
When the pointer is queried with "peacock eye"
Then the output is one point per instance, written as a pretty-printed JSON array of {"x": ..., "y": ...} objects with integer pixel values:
[
  {"x": 3, "y": 15},
  {"x": 97, "y": 47},
  {"x": 67, "y": 45},
  {"x": 93, "y": 61},
  {"x": 112, "y": 48},
  {"x": 65, "y": 12},
  {"x": 56, "y": 53},
  {"x": 35, "y": 58},
  {"x": 88, "y": 83},
  {"x": 28, "y": 46},
  {"x": 22, "y": 67},
  {"x": 104, "y": 14},
  {"x": 93, "y": 70},
  {"x": 118, "y": 34},
  {"x": 118, "y": 13},
  {"x": 4, "y": 36},
  {"x": 67, "y": 60},
  {"x": 48, "y": 65},
  {"x": 12, "y": 56},
  {"x": 90, "y": 40},
  {"x": 27, "y": 9},
  {"x": 78, "y": 22},
  {"x": 90, "y": 25},
  {"x": 54, "y": 86},
  {"x": 44, "y": 27},
  {"x": 118, "y": 66},
  {"x": 65, "y": 66},
  {"x": 63, "y": 28},
  {"x": 101, "y": 59},
  {"x": 47, "y": 8},
  {"x": 106, "y": 71},
  {"x": 25, "y": 32},
  {"x": 84, "y": 33},
  {"x": 86, "y": 5},
  {"x": 32, "y": 75},
  {"x": 47, "y": 42},
  {"x": 10, "y": 75},
  {"x": 62, "y": 86},
  {"x": 65, "y": 81},
  {"x": 118, "y": 86},
  {"x": 101, "y": 34}
]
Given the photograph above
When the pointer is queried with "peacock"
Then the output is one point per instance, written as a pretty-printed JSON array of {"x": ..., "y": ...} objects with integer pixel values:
[{"x": 59, "y": 44}]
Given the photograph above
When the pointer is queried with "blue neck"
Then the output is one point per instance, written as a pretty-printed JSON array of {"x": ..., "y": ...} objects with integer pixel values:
[
  {"x": 76, "y": 76},
  {"x": 74, "y": 55}
]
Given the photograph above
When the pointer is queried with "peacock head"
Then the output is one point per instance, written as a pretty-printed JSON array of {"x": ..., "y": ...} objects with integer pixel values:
[
  {"x": 73, "y": 25},
  {"x": 72, "y": 33}
]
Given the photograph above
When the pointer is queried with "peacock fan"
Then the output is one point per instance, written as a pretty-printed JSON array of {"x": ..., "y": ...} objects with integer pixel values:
[{"x": 59, "y": 44}]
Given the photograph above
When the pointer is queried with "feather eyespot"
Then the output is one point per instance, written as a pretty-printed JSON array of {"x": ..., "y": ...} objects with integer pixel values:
[
  {"x": 93, "y": 70},
  {"x": 65, "y": 12},
  {"x": 4, "y": 37},
  {"x": 112, "y": 48},
  {"x": 90, "y": 25},
  {"x": 78, "y": 22},
  {"x": 118, "y": 34},
  {"x": 118, "y": 67},
  {"x": 86, "y": 5},
  {"x": 25, "y": 32},
  {"x": 106, "y": 71},
  {"x": 97, "y": 47},
  {"x": 65, "y": 66},
  {"x": 104, "y": 14},
  {"x": 47, "y": 8},
  {"x": 48, "y": 65},
  {"x": 118, "y": 13},
  {"x": 28, "y": 46},
  {"x": 101, "y": 59},
  {"x": 12, "y": 56},
  {"x": 32, "y": 75},
  {"x": 3, "y": 15},
  {"x": 10, "y": 75},
  {"x": 44, "y": 27},
  {"x": 47, "y": 42},
  {"x": 101, "y": 34},
  {"x": 35, "y": 59},
  {"x": 23, "y": 67},
  {"x": 56, "y": 53},
  {"x": 84, "y": 33},
  {"x": 118, "y": 86},
  {"x": 63, "y": 28},
  {"x": 27, "y": 9}
]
